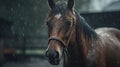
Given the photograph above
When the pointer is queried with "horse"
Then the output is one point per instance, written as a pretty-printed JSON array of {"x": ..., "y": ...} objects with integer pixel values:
[{"x": 79, "y": 45}]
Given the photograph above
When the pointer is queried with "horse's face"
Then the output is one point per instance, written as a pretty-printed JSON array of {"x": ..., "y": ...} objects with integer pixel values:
[{"x": 60, "y": 22}]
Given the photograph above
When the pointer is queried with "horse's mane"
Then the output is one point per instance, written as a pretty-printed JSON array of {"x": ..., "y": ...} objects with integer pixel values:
[{"x": 82, "y": 24}]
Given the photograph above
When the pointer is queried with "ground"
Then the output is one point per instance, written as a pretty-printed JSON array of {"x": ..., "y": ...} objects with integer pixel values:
[{"x": 32, "y": 62}]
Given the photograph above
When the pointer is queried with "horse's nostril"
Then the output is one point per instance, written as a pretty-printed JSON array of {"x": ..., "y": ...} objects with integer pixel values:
[{"x": 57, "y": 54}]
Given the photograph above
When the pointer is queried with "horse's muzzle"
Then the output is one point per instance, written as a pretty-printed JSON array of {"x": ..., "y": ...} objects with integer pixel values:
[{"x": 53, "y": 57}]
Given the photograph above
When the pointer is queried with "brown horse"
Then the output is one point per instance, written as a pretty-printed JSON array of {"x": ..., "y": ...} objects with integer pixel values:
[{"x": 73, "y": 39}]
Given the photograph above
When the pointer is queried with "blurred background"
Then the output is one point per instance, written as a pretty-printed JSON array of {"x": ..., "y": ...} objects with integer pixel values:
[{"x": 23, "y": 33}]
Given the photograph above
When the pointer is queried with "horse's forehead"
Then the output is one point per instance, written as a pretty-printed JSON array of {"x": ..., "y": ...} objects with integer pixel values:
[
  {"x": 58, "y": 15},
  {"x": 54, "y": 16}
]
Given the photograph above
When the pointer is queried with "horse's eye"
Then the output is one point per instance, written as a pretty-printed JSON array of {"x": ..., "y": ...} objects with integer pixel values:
[{"x": 69, "y": 23}]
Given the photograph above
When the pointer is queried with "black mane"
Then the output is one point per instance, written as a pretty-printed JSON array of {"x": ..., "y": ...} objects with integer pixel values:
[{"x": 82, "y": 24}]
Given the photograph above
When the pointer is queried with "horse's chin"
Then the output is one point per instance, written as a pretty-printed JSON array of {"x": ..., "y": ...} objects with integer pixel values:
[{"x": 55, "y": 62}]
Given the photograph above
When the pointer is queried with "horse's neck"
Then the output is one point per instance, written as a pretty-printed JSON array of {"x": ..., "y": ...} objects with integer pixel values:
[
  {"x": 78, "y": 50},
  {"x": 86, "y": 37}
]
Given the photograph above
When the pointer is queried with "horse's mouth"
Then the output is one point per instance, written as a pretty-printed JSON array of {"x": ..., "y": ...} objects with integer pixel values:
[{"x": 54, "y": 62}]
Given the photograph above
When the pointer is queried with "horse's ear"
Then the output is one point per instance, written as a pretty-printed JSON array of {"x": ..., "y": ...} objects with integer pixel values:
[
  {"x": 51, "y": 3},
  {"x": 70, "y": 4}
]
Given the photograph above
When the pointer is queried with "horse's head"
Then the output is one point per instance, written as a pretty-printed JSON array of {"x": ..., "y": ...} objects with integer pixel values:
[{"x": 60, "y": 22}]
